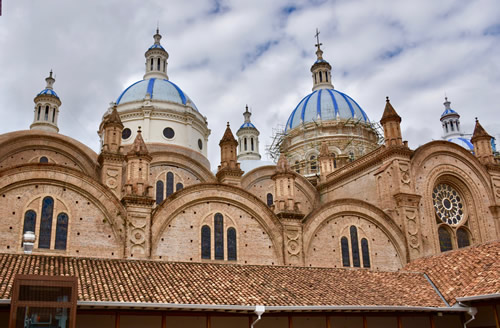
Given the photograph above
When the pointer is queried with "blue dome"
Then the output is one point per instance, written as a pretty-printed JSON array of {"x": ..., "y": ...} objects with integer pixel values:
[
  {"x": 462, "y": 142},
  {"x": 48, "y": 92},
  {"x": 156, "y": 46},
  {"x": 325, "y": 104},
  {"x": 247, "y": 125},
  {"x": 448, "y": 111},
  {"x": 159, "y": 89}
]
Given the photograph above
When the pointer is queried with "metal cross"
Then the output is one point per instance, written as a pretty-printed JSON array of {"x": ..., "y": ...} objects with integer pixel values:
[{"x": 317, "y": 39}]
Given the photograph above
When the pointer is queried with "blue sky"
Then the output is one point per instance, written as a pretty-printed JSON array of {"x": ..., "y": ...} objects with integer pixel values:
[{"x": 226, "y": 54}]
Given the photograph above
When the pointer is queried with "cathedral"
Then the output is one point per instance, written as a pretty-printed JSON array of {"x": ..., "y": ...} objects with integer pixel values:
[{"x": 348, "y": 227}]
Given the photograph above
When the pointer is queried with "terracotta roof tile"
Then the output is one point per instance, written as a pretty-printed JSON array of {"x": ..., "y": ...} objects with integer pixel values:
[
  {"x": 470, "y": 271},
  {"x": 224, "y": 284}
]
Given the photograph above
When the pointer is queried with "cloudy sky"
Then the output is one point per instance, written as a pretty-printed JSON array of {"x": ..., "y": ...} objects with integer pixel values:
[{"x": 226, "y": 54}]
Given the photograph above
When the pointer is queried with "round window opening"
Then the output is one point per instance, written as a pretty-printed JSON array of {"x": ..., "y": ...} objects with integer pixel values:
[
  {"x": 200, "y": 144},
  {"x": 168, "y": 133},
  {"x": 126, "y": 133},
  {"x": 448, "y": 204}
]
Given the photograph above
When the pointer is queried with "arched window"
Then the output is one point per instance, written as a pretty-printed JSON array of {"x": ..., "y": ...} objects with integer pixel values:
[
  {"x": 29, "y": 221},
  {"x": 158, "y": 64},
  {"x": 46, "y": 223},
  {"x": 231, "y": 244},
  {"x": 164, "y": 65},
  {"x": 245, "y": 142},
  {"x": 152, "y": 64},
  {"x": 251, "y": 143},
  {"x": 315, "y": 78},
  {"x": 44, "y": 159},
  {"x": 205, "y": 242},
  {"x": 53, "y": 115},
  {"x": 179, "y": 186},
  {"x": 365, "y": 252},
  {"x": 219, "y": 236},
  {"x": 326, "y": 76},
  {"x": 451, "y": 126},
  {"x": 334, "y": 160},
  {"x": 351, "y": 156},
  {"x": 313, "y": 164},
  {"x": 297, "y": 166},
  {"x": 463, "y": 239},
  {"x": 344, "y": 243},
  {"x": 61, "y": 231},
  {"x": 320, "y": 77},
  {"x": 46, "y": 113},
  {"x": 444, "y": 239},
  {"x": 355, "y": 247},
  {"x": 159, "y": 191},
  {"x": 270, "y": 200},
  {"x": 39, "y": 112},
  {"x": 170, "y": 183}
]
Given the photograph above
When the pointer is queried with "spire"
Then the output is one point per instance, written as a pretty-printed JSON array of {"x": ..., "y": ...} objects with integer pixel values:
[
  {"x": 247, "y": 115},
  {"x": 450, "y": 121},
  {"x": 47, "y": 105},
  {"x": 156, "y": 59},
  {"x": 50, "y": 81},
  {"x": 446, "y": 103},
  {"x": 481, "y": 140},
  {"x": 228, "y": 136},
  {"x": 321, "y": 69},
  {"x": 113, "y": 119},
  {"x": 248, "y": 139},
  {"x": 389, "y": 113},
  {"x": 229, "y": 171},
  {"x": 479, "y": 132},
  {"x": 139, "y": 146}
]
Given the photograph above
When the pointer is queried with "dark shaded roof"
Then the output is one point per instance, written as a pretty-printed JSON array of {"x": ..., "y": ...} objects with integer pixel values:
[
  {"x": 389, "y": 113},
  {"x": 479, "y": 132},
  {"x": 139, "y": 146},
  {"x": 228, "y": 136},
  {"x": 469, "y": 271},
  {"x": 110, "y": 280}
]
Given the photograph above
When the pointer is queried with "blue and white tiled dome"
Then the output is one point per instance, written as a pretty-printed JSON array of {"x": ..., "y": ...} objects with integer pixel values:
[
  {"x": 325, "y": 104},
  {"x": 247, "y": 125},
  {"x": 465, "y": 143},
  {"x": 158, "y": 89},
  {"x": 448, "y": 111},
  {"x": 48, "y": 92}
]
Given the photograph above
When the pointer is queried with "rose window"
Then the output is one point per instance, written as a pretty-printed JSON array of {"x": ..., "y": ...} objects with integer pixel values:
[{"x": 448, "y": 204}]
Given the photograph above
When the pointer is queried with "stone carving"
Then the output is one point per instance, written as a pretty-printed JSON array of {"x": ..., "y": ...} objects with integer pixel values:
[
  {"x": 404, "y": 169},
  {"x": 412, "y": 228},
  {"x": 293, "y": 242}
]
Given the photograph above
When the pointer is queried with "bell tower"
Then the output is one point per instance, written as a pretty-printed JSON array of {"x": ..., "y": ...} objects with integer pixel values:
[
  {"x": 47, "y": 105},
  {"x": 156, "y": 60}
]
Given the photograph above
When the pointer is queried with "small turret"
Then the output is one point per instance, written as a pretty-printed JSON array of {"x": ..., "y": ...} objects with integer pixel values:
[
  {"x": 138, "y": 164},
  {"x": 248, "y": 139},
  {"x": 229, "y": 169},
  {"x": 326, "y": 161},
  {"x": 482, "y": 144},
  {"x": 450, "y": 121},
  {"x": 391, "y": 123},
  {"x": 284, "y": 188},
  {"x": 47, "y": 105},
  {"x": 321, "y": 70},
  {"x": 156, "y": 59}
]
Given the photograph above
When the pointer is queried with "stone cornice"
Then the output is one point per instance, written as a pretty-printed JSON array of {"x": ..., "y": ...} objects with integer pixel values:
[
  {"x": 138, "y": 200},
  {"x": 112, "y": 157},
  {"x": 405, "y": 199}
]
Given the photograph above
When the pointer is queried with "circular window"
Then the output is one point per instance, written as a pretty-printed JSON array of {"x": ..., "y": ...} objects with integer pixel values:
[
  {"x": 200, "y": 144},
  {"x": 126, "y": 133},
  {"x": 168, "y": 133},
  {"x": 448, "y": 204}
]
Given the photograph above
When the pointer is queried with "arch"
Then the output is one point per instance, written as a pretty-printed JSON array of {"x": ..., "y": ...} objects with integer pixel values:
[
  {"x": 231, "y": 244},
  {"x": 159, "y": 191},
  {"x": 61, "y": 231},
  {"x": 463, "y": 237},
  {"x": 365, "y": 253},
  {"x": 270, "y": 200},
  {"x": 29, "y": 221},
  {"x": 44, "y": 160},
  {"x": 219, "y": 236},
  {"x": 214, "y": 192},
  {"x": 46, "y": 117},
  {"x": 318, "y": 218},
  {"x": 45, "y": 233},
  {"x": 445, "y": 243},
  {"x": 205, "y": 242},
  {"x": 170, "y": 183},
  {"x": 356, "y": 261}
]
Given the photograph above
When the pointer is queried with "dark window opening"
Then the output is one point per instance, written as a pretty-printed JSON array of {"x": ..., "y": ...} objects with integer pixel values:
[
  {"x": 61, "y": 231},
  {"x": 29, "y": 221},
  {"x": 463, "y": 239},
  {"x": 219, "y": 236},
  {"x": 168, "y": 133},
  {"x": 344, "y": 243},
  {"x": 245, "y": 142},
  {"x": 159, "y": 191},
  {"x": 126, "y": 133},
  {"x": 326, "y": 76},
  {"x": 205, "y": 242},
  {"x": 53, "y": 115},
  {"x": 320, "y": 77},
  {"x": 44, "y": 159},
  {"x": 47, "y": 113},
  {"x": 170, "y": 183},
  {"x": 365, "y": 252},
  {"x": 313, "y": 163},
  {"x": 179, "y": 186},
  {"x": 39, "y": 112},
  {"x": 46, "y": 223},
  {"x": 355, "y": 246},
  {"x": 297, "y": 166},
  {"x": 444, "y": 240},
  {"x": 270, "y": 200},
  {"x": 231, "y": 244},
  {"x": 200, "y": 144},
  {"x": 251, "y": 143},
  {"x": 159, "y": 64},
  {"x": 151, "y": 64}
]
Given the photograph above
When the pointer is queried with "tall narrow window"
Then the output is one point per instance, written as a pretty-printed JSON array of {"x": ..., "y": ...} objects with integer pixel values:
[
  {"x": 463, "y": 239},
  {"x": 159, "y": 191},
  {"x": 355, "y": 246},
  {"x": 179, "y": 186},
  {"x": 53, "y": 115},
  {"x": 365, "y": 252},
  {"x": 46, "y": 223},
  {"x": 205, "y": 242},
  {"x": 270, "y": 200},
  {"x": 29, "y": 221},
  {"x": 297, "y": 166},
  {"x": 320, "y": 77},
  {"x": 170, "y": 183},
  {"x": 164, "y": 65},
  {"x": 251, "y": 143},
  {"x": 39, "y": 112},
  {"x": 158, "y": 64},
  {"x": 219, "y": 236},
  {"x": 231, "y": 244},
  {"x": 313, "y": 163},
  {"x": 315, "y": 78},
  {"x": 152, "y": 64},
  {"x": 444, "y": 239},
  {"x": 326, "y": 76},
  {"x": 47, "y": 113},
  {"x": 344, "y": 244},
  {"x": 61, "y": 231},
  {"x": 245, "y": 144}
]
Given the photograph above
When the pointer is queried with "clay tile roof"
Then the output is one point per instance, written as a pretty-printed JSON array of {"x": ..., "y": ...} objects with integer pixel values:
[
  {"x": 223, "y": 284},
  {"x": 139, "y": 146},
  {"x": 113, "y": 118},
  {"x": 389, "y": 113},
  {"x": 228, "y": 136},
  {"x": 466, "y": 272},
  {"x": 479, "y": 132}
]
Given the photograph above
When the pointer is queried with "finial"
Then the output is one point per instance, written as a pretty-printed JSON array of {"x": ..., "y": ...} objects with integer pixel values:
[
  {"x": 139, "y": 130},
  {"x": 158, "y": 27},
  {"x": 227, "y": 124},
  {"x": 477, "y": 120},
  {"x": 318, "y": 44},
  {"x": 387, "y": 98},
  {"x": 246, "y": 108},
  {"x": 50, "y": 74}
]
